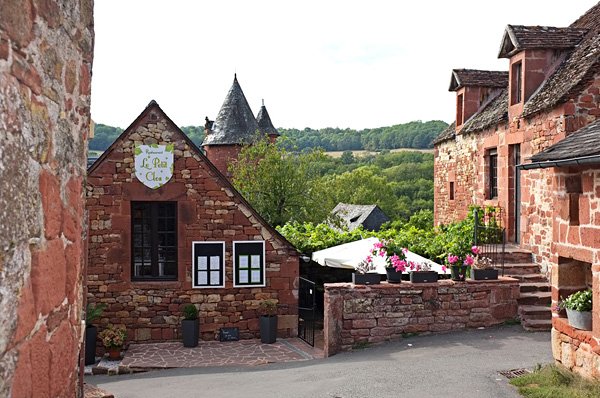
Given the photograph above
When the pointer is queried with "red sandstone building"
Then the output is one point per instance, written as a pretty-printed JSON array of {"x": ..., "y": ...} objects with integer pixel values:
[
  {"x": 159, "y": 241},
  {"x": 528, "y": 141}
]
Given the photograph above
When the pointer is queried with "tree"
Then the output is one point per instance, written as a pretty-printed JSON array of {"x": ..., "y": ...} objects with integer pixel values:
[{"x": 278, "y": 183}]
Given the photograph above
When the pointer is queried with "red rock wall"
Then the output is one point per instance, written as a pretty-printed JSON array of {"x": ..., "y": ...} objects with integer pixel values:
[
  {"x": 356, "y": 315},
  {"x": 222, "y": 155},
  {"x": 207, "y": 210},
  {"x": 46, "y": 51}
]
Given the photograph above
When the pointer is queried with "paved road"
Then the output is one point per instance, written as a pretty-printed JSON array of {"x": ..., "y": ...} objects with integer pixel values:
[{"x": 461, "y": 365}]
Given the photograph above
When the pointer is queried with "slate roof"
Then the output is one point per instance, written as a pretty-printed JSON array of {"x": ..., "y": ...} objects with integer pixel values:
[
  {"x": 518, "y": 37},
  {"x": 577, "y": 69},
  {"x": 474, "y": 77},
  {"x": 235, "y": 123},
  {"x": 356, "y": 215},
  {"x": 448, "y": 134},
  {"x": 495, "y": 112},
  {"x": 264, "y": 122},
  {"x": 583, "y": 142}
]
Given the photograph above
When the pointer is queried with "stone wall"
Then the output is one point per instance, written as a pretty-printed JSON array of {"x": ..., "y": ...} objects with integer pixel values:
[
  {"x": 222, "y": 155},
  {"x": 575, "y": 349},
  {"x": 356, "y": 315},
  {"x": 208, "y": 209},
  {"x": 46, "y": 51}
]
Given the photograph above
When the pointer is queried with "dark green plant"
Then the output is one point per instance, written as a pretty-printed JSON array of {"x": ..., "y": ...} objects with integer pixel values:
[
  {"x": 190, "y": 312},
  {"x": 268, "y": 308},
  {"x": 578, "y": 301},
  {"x": 93, "y": 312}
]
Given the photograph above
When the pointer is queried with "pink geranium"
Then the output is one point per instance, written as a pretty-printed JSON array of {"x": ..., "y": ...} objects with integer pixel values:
[
  {"x": 476, "y": 250},
  {"x": 452, "y": 259},
  {"x": 469, "y": 260}
]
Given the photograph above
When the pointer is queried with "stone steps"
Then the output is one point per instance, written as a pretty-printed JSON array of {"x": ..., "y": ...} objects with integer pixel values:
[
  {"x": 536, "y": 325},
  {"x": 520, "y": 268},
  {"x": 529, "y": 278},
  {"x": 536, "y": 312},
  {"x": 535, "y": 298},
  {"x": 530, "y": 287}
]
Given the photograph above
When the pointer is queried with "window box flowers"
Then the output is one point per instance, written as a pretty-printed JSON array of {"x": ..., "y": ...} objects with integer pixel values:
[
  {"x": 482, "y": 268},
  {"x": 395, "y": 259},
  {"x": 579, "y": 309},
  {"x": 422, "y": 273}
]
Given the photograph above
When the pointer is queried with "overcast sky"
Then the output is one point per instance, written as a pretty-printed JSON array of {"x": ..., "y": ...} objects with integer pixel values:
[{"x": 316, "y": 64}]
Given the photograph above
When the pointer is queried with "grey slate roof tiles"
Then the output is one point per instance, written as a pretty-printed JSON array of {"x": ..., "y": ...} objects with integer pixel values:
[
  {"x": 357, "y": 215},
  {"x": 518, "y": 37},
  {"x": 583, "y": 142},
  {"x": 495, "y": 112},
  {"x": 448, "y": 134},
  {"x": 474, "y": 77},
  {"x": 264, "y": 122},
  {"x": 235, "y": 123}
]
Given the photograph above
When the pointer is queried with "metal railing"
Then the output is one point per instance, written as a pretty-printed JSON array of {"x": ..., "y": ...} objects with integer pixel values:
[
  {"x": 306, "y": 310},
  {"x": 490, "y": 236}
]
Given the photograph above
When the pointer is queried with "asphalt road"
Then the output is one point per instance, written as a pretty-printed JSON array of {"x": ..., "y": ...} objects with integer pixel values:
[{"x": 461, "y": 365}]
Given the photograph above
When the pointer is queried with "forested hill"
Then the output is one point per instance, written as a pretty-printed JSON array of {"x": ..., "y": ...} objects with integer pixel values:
[{"x": 417, "y": 134}]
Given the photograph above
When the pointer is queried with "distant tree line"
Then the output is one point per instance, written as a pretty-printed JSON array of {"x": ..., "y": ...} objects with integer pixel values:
[{"x": 417, "y": 135}]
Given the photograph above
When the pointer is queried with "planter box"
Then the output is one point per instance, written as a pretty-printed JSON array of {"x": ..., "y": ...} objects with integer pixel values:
[
  {"x": 580, "y": 319},
  {"x": 91, "y": 332},
  {"x": 423, "y": 276},
  {"x": 190, "y": 329},
  {"x": 393, "y": 276},
  {"x": 459, "y": 272},
  {"x": 268, "y": 329},
  {"x": 366, "y": 279},
  {"x": 484, "y": 274}
]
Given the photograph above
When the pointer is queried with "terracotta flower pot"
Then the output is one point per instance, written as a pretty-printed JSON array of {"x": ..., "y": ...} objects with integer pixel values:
[{"x": 114, "y": 353}]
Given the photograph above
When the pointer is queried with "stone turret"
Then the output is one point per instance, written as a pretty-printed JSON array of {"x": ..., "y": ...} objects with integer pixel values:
[{"x": 265, "y": 126}]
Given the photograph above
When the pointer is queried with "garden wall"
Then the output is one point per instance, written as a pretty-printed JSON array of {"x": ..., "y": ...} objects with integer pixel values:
[
  {"x": 357, "y": 315},
  {"x": 578, "y": 350}
]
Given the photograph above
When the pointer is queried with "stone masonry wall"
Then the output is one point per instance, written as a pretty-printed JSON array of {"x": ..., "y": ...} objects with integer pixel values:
[
  {"x": 372, "y": 314},
  {"x": 46, "y": 51},
  {"x": 575, "y": 349},
  {"x": 207, "y": 210}
]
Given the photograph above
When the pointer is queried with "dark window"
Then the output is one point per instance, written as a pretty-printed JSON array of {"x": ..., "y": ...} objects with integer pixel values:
[
  {"x": 493, "y": 173},
  {"x": 459, "y": 110},
  {"x": 451, "y": 190},
  {"x": 249, "y": 263},
  {"x": 154, "y": 240},
  {"x": 208, "y": 269},
  {"x": 516, "y": 83}
]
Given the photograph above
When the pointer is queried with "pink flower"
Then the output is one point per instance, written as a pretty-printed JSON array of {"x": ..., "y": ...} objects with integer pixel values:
[
  {"x": 404, "y": 250},
  {"x": 452, "y": 259},
  {"x": 369, "y": 259},
  {"x": 476, "y": 250},
  {"x": 469, "y": 260},
  {"x": 444, "y": 268}
]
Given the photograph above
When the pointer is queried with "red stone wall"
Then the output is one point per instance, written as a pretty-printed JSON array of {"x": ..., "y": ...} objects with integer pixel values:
[
  {"x": 222, "y": 155},
  {"x": 356, "y": 315},
  {"x": 45, "y": 71},
  {"x": 208, "y": 210}
]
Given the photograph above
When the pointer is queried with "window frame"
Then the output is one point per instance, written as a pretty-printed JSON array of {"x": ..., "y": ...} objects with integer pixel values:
[
  {"x": 222, "y": 265},
  {"x": 451, "y": 188},
  {"x": 154, "y": 238},
  {"x": 492, "y": 193},
  {"x": 263, "y": 264},
  {"x": 516, "y": 96}
]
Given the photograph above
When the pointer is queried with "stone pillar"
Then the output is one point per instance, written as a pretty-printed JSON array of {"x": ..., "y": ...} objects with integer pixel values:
[
  {"x": 45, "y": 72},
  {"x": 332, "y": 322}
]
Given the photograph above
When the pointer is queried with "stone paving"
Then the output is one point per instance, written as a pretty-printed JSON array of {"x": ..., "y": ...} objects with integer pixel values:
[{"x": 214, "y": 353}]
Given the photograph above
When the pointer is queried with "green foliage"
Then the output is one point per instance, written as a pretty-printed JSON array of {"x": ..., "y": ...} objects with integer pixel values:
[
  {"x": 279, "y": 184},
  {"x": 308, "y": 237},
  {"x": 195, "y": 133},
  {"x": 93, "y": 312},
  {"x": 556, "y": 382},
  {"x": 415, "y": 134},
  {"x": 267, "y": 308},
  {"x": 190, "y": 312},
  {"x": 578, "y": 301},
  {"x": 104, "y": 136}
]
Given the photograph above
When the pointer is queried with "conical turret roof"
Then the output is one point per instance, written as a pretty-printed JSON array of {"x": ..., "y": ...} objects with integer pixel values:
[
  {"x": 265, "y": 125},
  {"x": 235, "y": 123}
]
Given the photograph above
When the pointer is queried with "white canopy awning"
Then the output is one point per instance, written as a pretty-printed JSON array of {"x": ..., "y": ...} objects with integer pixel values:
[{"x": 349, "y": 255}]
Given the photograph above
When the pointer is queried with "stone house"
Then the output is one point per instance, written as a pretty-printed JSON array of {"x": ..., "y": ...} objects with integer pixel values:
[
  {"x": 526, "y": 141},
  {"x": 166, "y": 228},
  {"x": 371, "y": 217}
]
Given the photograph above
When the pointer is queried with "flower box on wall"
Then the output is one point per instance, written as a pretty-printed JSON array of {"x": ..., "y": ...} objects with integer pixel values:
[
  {"x": 423, "y": 276},
  {"x": 484, "y": 274},
  {"x": 365, "y": 279}
]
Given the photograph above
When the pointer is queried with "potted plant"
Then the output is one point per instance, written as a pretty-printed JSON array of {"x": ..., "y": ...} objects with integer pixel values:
[
  {"x": 579, "y": 309},
  {"x": 363, "y": 276},
  {"x": 268, "y": 321},
  {"x": 458, "y": 268},
  {"x": 92, "y": 313},
  {"x": 482, "y": 268},
  {"x": 395, "y": 259},
  {"x": 113, "y": 339},
  {"x": 422, "y": 273},
  {"x": 190, "y": 328}
]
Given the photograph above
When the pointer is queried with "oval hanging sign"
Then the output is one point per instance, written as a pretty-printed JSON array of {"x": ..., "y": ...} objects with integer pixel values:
[{"x": 154, "y": 164}]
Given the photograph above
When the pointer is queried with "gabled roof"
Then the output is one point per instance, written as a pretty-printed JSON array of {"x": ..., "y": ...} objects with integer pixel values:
[
  {"x": 473, "y": 77},
  {"x": 235, "y": 123},
  {"x": 518, "y": 37},
  {"x": 153, "y": 106},
  {"x": 584, "y": 142},
  {"x": 265, "y": 125},
  {"x": 356, "y": 215}
]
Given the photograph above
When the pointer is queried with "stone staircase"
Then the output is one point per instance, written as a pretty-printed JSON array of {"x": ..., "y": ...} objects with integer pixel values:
[{"x": 534, "y": 303}]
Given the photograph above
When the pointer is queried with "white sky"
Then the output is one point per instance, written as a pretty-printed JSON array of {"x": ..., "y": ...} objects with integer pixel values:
[{"x": 324, "y": 63}]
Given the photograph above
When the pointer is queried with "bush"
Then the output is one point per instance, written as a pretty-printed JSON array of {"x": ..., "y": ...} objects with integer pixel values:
[{"x": 190, "y": 312}]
